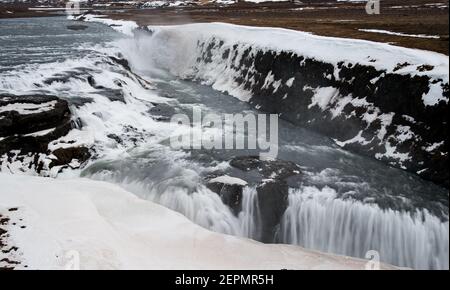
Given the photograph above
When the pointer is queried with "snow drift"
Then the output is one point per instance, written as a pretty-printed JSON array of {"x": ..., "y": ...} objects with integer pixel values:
[{"x": 112, "y": 229}]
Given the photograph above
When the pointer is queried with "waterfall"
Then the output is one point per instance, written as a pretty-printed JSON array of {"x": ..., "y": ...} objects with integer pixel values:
[
  {"x": 196, "y": 202},
  {"x": 315, "y": 219},
  {"x": 249, "y": 218}
]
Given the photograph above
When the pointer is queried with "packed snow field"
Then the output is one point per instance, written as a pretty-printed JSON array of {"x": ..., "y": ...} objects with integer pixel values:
[{"x": 121, "y": 116}]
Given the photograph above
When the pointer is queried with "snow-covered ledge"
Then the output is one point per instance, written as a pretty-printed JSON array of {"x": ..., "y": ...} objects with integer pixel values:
[{"x": 113, "y": 229}]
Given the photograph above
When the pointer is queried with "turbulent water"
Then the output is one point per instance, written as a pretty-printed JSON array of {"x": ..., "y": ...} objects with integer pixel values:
[{"x": 344, "y": 203}]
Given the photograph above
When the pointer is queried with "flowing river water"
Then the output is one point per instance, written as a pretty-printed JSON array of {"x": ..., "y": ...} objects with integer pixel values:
[{"x": 343, "y": 203}]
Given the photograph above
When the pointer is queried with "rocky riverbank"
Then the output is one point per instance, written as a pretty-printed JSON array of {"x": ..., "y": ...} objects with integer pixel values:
[{"x": 28, "y": 125}]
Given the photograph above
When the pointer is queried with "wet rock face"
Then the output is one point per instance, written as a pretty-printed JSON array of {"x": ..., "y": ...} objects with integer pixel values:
[
  {"x": 28, "y": 124},
  {"x": 65, "y": 156},
  {"x": 270, "y": 177},
  {"x": 376, "y": 113},
  {"x": 77, "y": 27},
  {"x": 268, "y": 169},
  {"x": 37, "y": 113},
  {"x": 231, "y": 195},
  {"x": 272, "y": 202},
  {"x": 162, "y": 112},
  {"x": 272, "y": 191}
]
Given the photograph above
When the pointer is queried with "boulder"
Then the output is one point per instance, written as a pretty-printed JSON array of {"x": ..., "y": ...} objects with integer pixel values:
[
  {"x": 66, "y": 155},
  {"x": 230, "y": 191},
  {"x": 29, "y": 123},
  {"x": 272, "y": 202}
]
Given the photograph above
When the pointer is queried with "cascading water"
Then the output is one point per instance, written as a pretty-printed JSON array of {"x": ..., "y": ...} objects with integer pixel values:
[
  {"x": 249, "y": 218},
  {"x": 315, "y": 219}
]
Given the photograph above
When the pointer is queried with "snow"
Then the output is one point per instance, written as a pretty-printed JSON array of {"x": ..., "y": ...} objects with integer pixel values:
[
  {"x": 225, "y": 179},
  {"x": 323, "y": 96},
  {"x": 109, "y": 228},
  {"x": 357, "y": 139},
  {"x": 434, "y": 146},
  {"x": 400, "y": 34},
  {"x": 124, "y": 26},
  {"x": 225, "y": 2},
  {"x": 184, "y": 39},
  {"x": 391, "y": 152},
  {"x": 40, "y": 133},
  {"x": 27, "y": 108},
  {"x": 434, "y": 96},
  {"x": 155, "y": 4},
  {"x": 175, "y": 48},
  {"x": 290, "y": 82},
  {"x": 404, "y": 133}
]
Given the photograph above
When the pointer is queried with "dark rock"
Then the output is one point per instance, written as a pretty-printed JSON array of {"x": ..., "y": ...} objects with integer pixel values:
[
  {"x": 231, "y": 195},
  {"x": 16, "y": 130},
  {"x": 162, "y": 112},
  {"x": 401, "y": 65},
  {"x": 14, "y": 123},
  {"x": 113, "y": 95},
  {"x": 123, "y": 62},
  {"x": 272, "y": 191},
  {"x": 115, "y": 138},
  {"x": 144, "y": 30},
  {"x": 77, "y": 27},
  {"x": 275, "y": 169},
  {"x": 272, "y": 202},
  {"x": 425, "y": 67},
  {"x": 79, "y": 101},
  {"x": 31, "y": 144},
  {"x": 66, "y": 155}
]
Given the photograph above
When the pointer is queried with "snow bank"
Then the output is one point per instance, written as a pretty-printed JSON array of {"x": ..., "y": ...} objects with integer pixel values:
[
  {"x": 327, "y": 49},
  {"x": 27, "y": 108},
  {"x": 400, "y": 34},
  {"x": 185, "y": 38},
  {"x": 123, "y": 26},
  {"x": 225, "y": 179},
  {"x": 113, "y": 229}
]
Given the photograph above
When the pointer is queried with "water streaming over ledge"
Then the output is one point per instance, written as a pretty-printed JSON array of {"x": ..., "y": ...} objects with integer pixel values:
[{"x": 315, "y": 219}]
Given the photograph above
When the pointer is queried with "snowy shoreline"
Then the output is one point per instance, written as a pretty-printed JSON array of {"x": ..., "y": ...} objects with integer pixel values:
[{"x": 113, "y": 229}]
